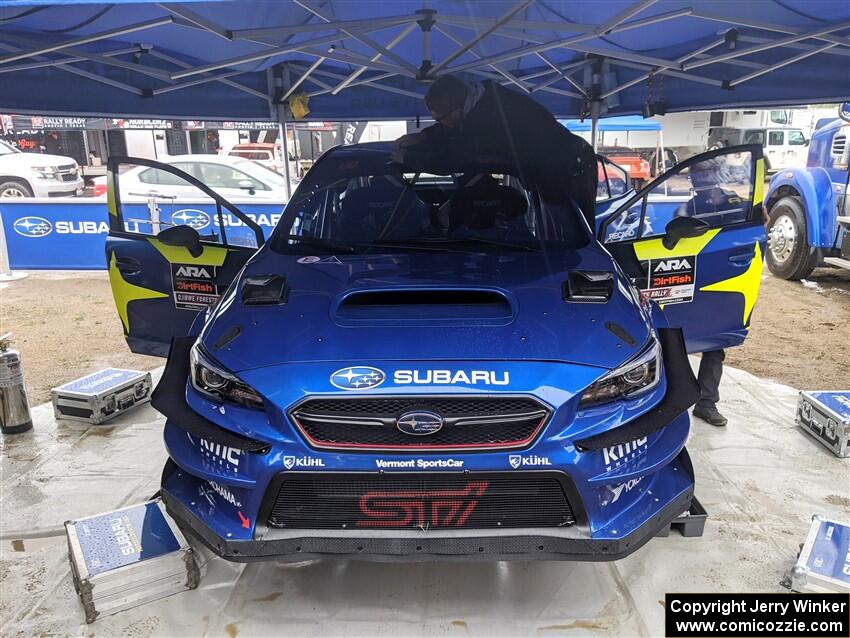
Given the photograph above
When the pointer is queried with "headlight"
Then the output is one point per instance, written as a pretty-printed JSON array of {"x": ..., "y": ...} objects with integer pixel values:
[
  {"x": 46, "y": 172},
  {"x": 208, "y": 378},
  {"x": 640, "y": 374}
]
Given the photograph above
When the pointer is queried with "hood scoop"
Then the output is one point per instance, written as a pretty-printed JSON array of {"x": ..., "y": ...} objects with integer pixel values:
[
  {"x": 264, "y": 290},
  {"x": 425, "y": 306}
]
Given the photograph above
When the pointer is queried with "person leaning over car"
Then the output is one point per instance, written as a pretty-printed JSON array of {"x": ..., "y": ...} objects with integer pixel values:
[{"x": 486, "y": 120}]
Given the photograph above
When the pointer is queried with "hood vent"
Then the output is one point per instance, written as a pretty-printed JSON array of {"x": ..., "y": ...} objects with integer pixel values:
[
  {"x": 415, "y": 305},
  {"x": 264, "y": 290},
  {"x": 588, "y": 286}
]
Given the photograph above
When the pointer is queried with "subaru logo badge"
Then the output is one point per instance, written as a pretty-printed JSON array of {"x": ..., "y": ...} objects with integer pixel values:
[
  {"x": 193, "y": 217},
  {"x": 32, "y": 226},
  {"x": 515, "y": 460},
  {"x": 357, "y": 378},
  {"x": 419, "y": 423}
]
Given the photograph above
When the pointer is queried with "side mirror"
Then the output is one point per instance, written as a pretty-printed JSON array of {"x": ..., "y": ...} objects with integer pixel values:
[
  {"x": 844, "y": 111},
  {"x": 247, "y": 185},
  {"x": 184, "y": 236},
  {"x": 681, "y": 227}
]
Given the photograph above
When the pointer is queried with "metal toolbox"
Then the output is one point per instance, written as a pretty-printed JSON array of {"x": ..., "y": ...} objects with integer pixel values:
[
  {"x": 826, "y": 416},
  {"x": 824, "y": 562},
  {"x": 102, "y": 395},
  {"x": 128, "y": 557}
]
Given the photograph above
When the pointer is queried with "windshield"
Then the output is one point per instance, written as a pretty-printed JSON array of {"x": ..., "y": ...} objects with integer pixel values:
[
  {"x": 364, "y": 203},
  {"x": 261, "y": 172},
  {"x": 7, "y": 149},
  {"x": 252, "y": 155}
]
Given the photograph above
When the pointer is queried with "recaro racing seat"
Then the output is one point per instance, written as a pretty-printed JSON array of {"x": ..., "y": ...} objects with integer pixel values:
[
  {"x": 384, "y": 209},
  {"x": 488, "y": 208}
]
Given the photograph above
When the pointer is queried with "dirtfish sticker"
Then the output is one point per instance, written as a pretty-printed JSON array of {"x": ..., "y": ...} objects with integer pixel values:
[{"x": 671, "y": 280}]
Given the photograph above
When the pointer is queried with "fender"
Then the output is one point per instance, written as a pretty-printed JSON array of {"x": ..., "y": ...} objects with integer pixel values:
[{"x": 815, "y": 189}]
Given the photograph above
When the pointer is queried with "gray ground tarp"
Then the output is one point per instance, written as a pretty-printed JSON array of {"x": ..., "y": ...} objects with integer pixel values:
[{"x": 760, "y": 478}]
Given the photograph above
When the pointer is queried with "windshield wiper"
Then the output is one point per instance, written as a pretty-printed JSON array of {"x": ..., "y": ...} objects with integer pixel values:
[
  {"x": 406, "y": 245},
  {"x": 322, "y": 243},
  {"x": 478, "y": 240}
]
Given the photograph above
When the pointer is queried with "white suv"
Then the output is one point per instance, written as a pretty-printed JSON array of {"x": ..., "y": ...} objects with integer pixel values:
[{"x": 37, "y": 175}]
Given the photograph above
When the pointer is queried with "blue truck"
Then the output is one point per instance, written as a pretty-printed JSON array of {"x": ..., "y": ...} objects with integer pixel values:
[
  {"x": 435, "y": 366},
  {"x": 809, "y": 208}
]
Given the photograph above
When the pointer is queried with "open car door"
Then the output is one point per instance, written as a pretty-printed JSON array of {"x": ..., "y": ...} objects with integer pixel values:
[
  {"x": 692, "y": 241},
  {"x": 174, "y": 246}
]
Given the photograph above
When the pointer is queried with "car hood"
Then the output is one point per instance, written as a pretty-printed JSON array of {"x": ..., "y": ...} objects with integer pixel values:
[
  {"x": 426, "y": 306},
  {"x": 36, "y": 159}
]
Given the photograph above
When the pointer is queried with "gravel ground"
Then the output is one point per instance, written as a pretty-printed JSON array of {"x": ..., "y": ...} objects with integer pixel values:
[{"x": 65, "y": 326}]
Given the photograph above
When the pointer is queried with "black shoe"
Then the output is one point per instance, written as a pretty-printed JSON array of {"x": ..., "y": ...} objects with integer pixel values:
[{"x": 711, "y": 415}]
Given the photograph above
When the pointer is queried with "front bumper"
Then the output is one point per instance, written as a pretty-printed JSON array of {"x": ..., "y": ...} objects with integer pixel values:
[
  {"x": 51, "y": 188},
  {"x": 570, "y": 543},
  {"x": 627, "y": 464}
]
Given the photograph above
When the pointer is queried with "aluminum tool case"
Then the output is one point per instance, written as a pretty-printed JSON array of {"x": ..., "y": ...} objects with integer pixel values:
[
  {"x": 128, "y": 557},
  {"x": 101, "y": 396},
  {"x": 824, "y": 562},
  {"x": 826, "y": 416}
]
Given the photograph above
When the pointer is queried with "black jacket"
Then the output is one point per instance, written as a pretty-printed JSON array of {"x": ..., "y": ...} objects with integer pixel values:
[{"x": 508, "y": 126}]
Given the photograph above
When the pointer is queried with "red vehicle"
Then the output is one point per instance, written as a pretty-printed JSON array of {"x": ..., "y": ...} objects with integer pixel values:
[{"x": 631, "y": 162}]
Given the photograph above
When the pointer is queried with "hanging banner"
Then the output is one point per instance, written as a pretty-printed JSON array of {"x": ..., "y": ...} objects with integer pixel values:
[{"x": 70, "y": 234}]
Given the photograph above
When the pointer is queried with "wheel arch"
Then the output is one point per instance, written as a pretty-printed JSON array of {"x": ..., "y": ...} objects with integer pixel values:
[
  {"x": 16, "y": 178},
  {"x": 814, "y": 189}
]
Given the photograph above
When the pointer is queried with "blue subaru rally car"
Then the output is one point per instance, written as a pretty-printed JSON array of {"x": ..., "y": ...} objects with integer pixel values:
[{"x": 432, "y": 366}]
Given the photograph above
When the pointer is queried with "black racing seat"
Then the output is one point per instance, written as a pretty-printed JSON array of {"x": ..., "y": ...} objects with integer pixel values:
[
  {"x": 484, "y": 204},
  {"x": 367, "y": 213}
]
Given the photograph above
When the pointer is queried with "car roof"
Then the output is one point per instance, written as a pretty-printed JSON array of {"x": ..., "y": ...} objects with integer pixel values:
[
  {"x": 617, "y": 149},
  {"x": 253, "y": 145},
  {"x": 201, "y": 157}
]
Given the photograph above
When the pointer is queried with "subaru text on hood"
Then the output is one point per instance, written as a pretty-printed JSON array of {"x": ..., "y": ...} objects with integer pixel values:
[{"x": 430, "y": 366}]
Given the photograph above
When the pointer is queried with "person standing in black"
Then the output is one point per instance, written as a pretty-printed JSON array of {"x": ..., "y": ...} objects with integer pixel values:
[{"x": 486, "y": 121}]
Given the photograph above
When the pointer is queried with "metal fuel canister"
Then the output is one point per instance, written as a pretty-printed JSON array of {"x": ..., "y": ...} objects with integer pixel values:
[{"x": 14, "y": 407}]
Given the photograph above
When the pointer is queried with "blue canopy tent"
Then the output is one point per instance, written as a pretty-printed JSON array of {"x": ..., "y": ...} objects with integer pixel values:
[
  {"x": 346, "y": 60},
  {"x": 621, "y": 123}
]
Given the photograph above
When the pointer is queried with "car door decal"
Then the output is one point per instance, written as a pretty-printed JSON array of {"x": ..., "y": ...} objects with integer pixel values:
[
  {"x": 671, "y": 274},
  {"x": 747, "y": 284},
  {"x": 193, "y": 279},
  {"x": 212, "y": 255},
  {"x": 194, "y": 287},
  {"x": 125, "y": 292}
]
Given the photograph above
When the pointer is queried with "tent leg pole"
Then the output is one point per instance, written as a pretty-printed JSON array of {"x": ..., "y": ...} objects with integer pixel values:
[
  {"x": 594, "y": 122},
  {"x": 281, "y": 120},
  {"x": 663, "y": 154}
]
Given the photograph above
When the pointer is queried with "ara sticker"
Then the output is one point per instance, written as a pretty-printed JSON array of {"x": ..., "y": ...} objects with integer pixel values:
[
  {"x": 194, "y": 286},
  {"x": 313, "y": 259},
  {"x": 671, "y": 280}
]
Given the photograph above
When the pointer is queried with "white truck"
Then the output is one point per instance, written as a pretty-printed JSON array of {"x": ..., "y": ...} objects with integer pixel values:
[{"x": 37, "y": 174}]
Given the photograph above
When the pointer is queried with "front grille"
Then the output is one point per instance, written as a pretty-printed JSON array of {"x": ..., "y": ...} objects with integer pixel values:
[
  {"x": 69, "y": 177},
  {"x": 423, "y": 501},
  {"x": 369, "y": 423}
]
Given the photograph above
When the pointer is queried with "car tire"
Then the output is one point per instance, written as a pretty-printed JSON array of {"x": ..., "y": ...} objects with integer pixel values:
[
  {"x": 788, "y": 254},
  {"x": 13, "y": 188}
]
